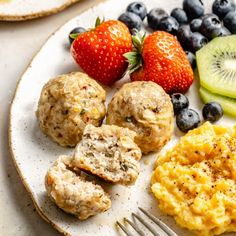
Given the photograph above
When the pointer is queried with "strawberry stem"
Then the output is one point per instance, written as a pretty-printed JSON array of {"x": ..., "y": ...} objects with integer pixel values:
[
  {"x": 134, "y": 58},
  {"x": 99, "y": 21},
  {"x": 138, "y": 40}
]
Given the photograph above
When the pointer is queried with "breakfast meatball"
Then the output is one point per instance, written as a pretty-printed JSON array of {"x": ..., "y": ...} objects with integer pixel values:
[
  {"x": 67, "y": 104},
  {"x": 72, "y": 192},
  {"x": 145, "y": 108},
  {"x": 109, "y": 152}
]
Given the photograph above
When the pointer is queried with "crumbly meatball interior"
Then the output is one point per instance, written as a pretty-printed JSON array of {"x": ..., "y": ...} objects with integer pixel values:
[
  {"x": 67, "y": 104},
  {"x": 145, "y": 108},
  {"x": 109, "y": 152},
  {"x": 71, "y": 192}
]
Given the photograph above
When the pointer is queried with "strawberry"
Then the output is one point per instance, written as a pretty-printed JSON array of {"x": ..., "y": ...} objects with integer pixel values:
[
  {"x": 160, "y": 58},
  {"x": 99, "y": 52}
]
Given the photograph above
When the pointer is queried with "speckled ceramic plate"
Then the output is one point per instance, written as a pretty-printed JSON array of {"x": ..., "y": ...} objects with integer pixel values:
[
  {"x": 33, "y": 153},
  {"x": 17, "y": 10}
]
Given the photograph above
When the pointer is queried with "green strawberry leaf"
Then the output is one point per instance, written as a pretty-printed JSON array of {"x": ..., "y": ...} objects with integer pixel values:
[
  {"x": 135, "y": 61},
  {"x": 138, "y": 40},
  {"x": 99, "y": 21},
  {"x": 134, "y": 58},
  {"x": 74, "y": 36}
]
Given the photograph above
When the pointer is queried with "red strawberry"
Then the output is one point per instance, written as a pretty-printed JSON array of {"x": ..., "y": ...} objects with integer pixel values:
[
  {"x": 162, "y": 60},
  {"x": 99, "y": 52}
]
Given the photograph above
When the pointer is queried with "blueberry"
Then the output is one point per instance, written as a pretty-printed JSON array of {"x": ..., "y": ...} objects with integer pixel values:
[
  {"x": 137, "y": 8},
  {"x": 183, "y": 36},
  {"x": 230, "y": 22},
  {"x": 191, "y": 59},
  {"x": 197, "y": 41},
  {"x": 195, "y": 25},
  {"x": 180, "y": 15},
  {"x": 131, "y": 20},
  {"x": 207, "y": 15},
  {"x": 193, "y": 8},
  {"x": 77, "y": 30},
  {"x": 221, "y": 32},
  {"x": 169, "y": 24},
  {"x": 212, "y": 111},
  {"x": 179, "y": 102},
  {"x": 209, "y": 25},
  {"x": 222, "y": 7},
  {"x": 154, "y": 17},
  {"x": 187, "y": 119}
]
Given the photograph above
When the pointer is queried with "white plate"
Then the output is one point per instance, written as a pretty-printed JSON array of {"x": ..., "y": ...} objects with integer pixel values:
[
  {"x": 33, "y": 152},
  {"x": 17, "y": 10}
]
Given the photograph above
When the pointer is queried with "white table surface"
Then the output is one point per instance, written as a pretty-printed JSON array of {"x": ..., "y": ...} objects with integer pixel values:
[{"x": 19, "y": 42}]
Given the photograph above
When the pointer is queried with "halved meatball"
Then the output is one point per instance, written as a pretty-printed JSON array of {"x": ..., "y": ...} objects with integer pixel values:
[
  {"x": 72, "y": 192},
  {"x": 109, "y": 152},
  {"x": 67, "y": 104}
]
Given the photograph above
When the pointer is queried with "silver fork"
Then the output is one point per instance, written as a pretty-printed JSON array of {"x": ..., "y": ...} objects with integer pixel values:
[{"x": 134, "y": 225}]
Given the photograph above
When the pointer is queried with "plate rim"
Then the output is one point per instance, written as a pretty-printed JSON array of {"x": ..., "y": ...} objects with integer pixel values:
[
  {"x": 9, "y": 130},
  {"x": 39, "y": 14},
  {"x": 10, "y": 120}
]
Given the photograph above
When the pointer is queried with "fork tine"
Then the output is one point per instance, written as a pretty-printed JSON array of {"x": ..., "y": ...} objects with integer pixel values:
[
  {"x": 124, "y": 229},
  {"x": 147, "y": 225},
  {"x": 135, "y": 227},
  {"x": 162, "y": 225}
]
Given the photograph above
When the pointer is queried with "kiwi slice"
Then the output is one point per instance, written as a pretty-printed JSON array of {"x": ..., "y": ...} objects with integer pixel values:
[
  {"x": 228, "y": 104},
  {"x": 216, "y": 63}
]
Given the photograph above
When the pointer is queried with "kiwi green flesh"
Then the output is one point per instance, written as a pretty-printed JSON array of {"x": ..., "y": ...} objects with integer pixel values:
[
  {"x": 216, "y": 63},
  {"x": 228, "y": 104}
]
